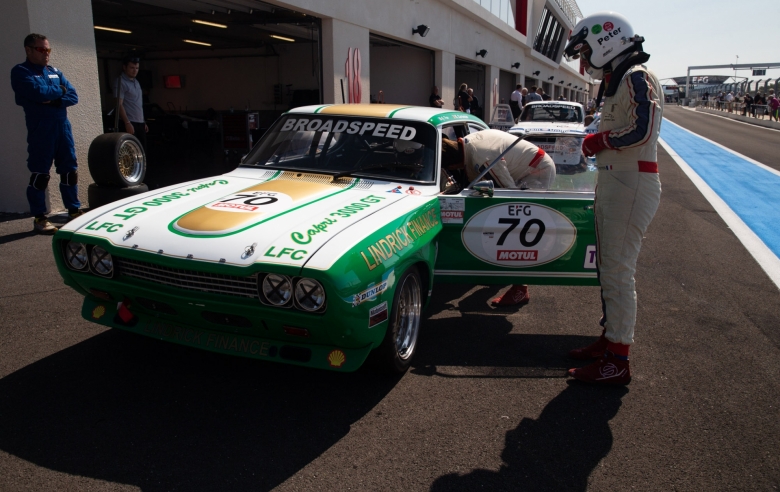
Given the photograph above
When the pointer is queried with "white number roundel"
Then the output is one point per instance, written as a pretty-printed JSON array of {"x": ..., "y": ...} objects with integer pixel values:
[
  {"x": 518, "y": 235},
  {"x": 252, "y": 202}
]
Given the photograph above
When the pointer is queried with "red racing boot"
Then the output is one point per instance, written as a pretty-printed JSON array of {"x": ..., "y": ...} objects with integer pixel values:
[
  {"x": 517, "y": 295},
  {"x": 592, "y": 351},
  {"x": 611, "y": 368}
]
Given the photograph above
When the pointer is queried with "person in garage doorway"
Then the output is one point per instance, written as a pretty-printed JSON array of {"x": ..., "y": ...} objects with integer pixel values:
[
  {"x": 45, "y": 93},
  {"x": 435, "y": 100},
  {"x": 131, "y": 100},
  {"x": 628, "y": 191}
]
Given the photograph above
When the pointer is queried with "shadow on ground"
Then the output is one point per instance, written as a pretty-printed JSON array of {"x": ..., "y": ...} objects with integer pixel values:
[
  {"x": 556, "y": 452},
  {"x": 133, "y": 410}
]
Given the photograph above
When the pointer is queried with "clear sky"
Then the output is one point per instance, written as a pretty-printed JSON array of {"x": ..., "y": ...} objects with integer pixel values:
[{"x": 689, "y": 32}]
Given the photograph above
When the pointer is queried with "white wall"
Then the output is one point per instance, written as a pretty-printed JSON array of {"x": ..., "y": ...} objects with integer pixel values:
[
  {"x": 405, "y": 75},
  {"x": 68, "y": 25},
  {"x": 337, "y": 38}
]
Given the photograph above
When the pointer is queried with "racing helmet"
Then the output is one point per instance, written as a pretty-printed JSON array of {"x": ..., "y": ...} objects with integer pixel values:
[{"x": 606, "y": 34}]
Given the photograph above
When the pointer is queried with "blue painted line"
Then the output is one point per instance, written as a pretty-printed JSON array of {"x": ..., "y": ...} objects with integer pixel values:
[{"x": 749, "y": 190}]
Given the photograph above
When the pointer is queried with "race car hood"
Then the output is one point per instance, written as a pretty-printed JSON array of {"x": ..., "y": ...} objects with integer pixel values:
[
  {"x": 271, "y": 217},
  {"x": 545, "y": 127}
]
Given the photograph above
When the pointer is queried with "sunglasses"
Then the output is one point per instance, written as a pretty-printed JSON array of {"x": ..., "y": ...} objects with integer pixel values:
[{"x": 40, "y": 50}]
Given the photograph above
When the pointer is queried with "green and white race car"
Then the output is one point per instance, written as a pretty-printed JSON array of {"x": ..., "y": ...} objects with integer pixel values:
[{"x": 322, "y": 248}]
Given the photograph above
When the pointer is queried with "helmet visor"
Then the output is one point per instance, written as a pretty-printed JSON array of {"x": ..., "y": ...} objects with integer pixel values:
[{"x": 575, "y": 44}]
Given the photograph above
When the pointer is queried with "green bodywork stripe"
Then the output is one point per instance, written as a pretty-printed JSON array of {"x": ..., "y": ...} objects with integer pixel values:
[
  {"x": 321, "y": 108},
  {"x": 201, "y": 236},
  {"x": 453, "y": 116},
  {"x": 392, "y": 113}
]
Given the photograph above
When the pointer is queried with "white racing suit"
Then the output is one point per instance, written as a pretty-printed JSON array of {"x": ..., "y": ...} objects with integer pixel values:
[
  {"x": 524, "y": 164},
  {"x": 627, "y": 194}
]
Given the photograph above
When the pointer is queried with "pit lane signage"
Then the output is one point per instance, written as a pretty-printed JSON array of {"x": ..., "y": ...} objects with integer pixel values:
[{"x": 518, "y": 235}]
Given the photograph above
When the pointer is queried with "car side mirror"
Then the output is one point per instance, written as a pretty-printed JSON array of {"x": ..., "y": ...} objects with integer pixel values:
[{"x": 483, "y": 188}]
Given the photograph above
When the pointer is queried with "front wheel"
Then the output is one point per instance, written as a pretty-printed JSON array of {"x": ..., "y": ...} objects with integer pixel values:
[{"x": 395, "y": 353}]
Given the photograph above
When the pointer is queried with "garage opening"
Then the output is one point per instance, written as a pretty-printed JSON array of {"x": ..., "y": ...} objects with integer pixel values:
[
  {"x": 506, "y": 86},
  {"x": 400, "y": 73},
  {"x": 214, "y": 74},
  {"x": 472, "y": 74}
]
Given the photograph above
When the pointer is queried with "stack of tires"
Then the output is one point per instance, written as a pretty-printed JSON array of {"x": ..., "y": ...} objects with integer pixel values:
[{"x": 118, "y": 166}]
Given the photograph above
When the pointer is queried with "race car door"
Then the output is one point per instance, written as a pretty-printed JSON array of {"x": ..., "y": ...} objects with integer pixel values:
[{"x": 520, "y": 236}]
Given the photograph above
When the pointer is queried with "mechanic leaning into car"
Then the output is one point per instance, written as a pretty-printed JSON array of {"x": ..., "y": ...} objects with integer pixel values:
[
  {"x": 525, "y": 166},
  {"x": 628, "y": 190},
  {"x": 45, "y": 93}
]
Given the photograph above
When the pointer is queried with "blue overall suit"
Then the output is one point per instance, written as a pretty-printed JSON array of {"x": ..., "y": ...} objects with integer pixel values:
[{"x": 49, "y": 136}]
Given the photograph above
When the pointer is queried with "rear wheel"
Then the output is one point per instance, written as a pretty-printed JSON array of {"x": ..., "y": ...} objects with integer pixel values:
[
  {"x": 395, "y": 353},
  {"x": 101, "y": 195},
  {"x": 117, "y": 159}
]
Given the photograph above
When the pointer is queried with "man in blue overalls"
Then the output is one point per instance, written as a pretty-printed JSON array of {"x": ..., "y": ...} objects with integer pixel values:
[{"x": 44, "y": 93}]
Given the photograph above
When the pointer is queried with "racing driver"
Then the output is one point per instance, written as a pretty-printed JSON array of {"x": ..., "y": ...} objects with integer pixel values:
[{"x": 628, "y": 190}]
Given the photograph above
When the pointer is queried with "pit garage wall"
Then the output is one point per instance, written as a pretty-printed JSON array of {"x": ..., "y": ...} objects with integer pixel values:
[
  {"x": 404, "y": 75},
  {"x": 68, "y": 25}
]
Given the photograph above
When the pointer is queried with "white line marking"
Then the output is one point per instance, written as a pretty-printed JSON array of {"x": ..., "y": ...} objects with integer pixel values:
[
  {"x": 752, "y": 161},
  {"x": 755, "y": 246},
  {"x": 737, "y": 121}
]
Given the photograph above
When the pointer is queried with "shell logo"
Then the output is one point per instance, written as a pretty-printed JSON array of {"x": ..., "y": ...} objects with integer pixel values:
[
  {"x": 336, "y": 358},
  {"x": 98, "y": 312}
]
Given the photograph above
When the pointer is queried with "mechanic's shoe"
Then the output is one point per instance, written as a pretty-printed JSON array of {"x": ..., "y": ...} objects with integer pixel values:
[
  {"x": 74, "y": 215},
  {"x": 592, "y": 351},
  {"x": 41, "y": 225},
  {"x": 610, "y": 369},
  {"x": 517, "y": 295}
]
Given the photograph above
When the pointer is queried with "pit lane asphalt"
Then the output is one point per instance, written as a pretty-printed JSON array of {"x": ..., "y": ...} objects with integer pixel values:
[{"x": 485, "y": 406}]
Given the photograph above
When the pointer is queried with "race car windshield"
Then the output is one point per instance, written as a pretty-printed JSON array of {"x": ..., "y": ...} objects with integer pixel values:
[
  {"x": 552, "y": 112},
  {"x": 395, "y": 150}
]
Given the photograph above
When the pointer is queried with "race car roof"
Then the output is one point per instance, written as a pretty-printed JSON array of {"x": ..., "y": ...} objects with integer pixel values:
[
  {"x": 394, "y": 111},
  {"x": 554, "y": 103}
]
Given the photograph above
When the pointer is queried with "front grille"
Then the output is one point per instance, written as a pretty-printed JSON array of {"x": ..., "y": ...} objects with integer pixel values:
[{"x": 188, "y": 279}]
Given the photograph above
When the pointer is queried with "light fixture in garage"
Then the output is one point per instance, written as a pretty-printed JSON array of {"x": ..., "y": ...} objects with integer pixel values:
[
  {"x": 113, "y": 29},
  {"x": 516, "y": 65},
  {"x": 482, "y": 53},
  {"x": 561, "y": 82},
  {"x": 569, "y": 85},
  {"x": 422, "y": 30},
  {"x": 551, "y": 77},
  {"x": 206, "y": 23},
  {"x": 537, "y": 72},
  {"x": 201, "y": 43},
  {"x": 291, "y": 40}
]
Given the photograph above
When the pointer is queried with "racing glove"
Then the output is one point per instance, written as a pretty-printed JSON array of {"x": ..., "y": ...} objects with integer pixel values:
[{"x": 595, "y": 143}]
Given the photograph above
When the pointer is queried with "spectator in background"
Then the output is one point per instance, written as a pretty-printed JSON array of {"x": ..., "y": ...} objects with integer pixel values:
[
  {"x": 435, "y": 99},
  {"x": 748, "y": 109},
  {"x": 533, "y": 95},
  {"x": 729, "y": 101},
  {"x": 758, "y": 105},
  {"x": 476, "y": 110},
  {"x": 463, "y": 99},
  {"x": 131, "y": 100},
  {"x": 524, "y": 99},
  {"x": 516, "y": 101},
  {"x": 774, "y": 107},
  {"x": 544, "y": 95}
]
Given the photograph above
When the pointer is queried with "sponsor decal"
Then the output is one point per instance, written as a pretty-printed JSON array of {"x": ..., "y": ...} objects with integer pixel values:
[
  {"x": 412, "y": 191},
  {"x": 399, "y": 239},
  {"x": 518, "y": 235},
  {"x": 517, "y": 255},
  {"x": 98, "y": 312},
  {"x": 608, "y": 51},
  {"x": 345, "y": 212},
  {"x": 452, "y": 216},
  {"x": 369, "y": 294},
  {"x": 194, "y": 336},
  {"x": 377, "y": 315},
  {"x": 596, "y": 29},
  {"x": 300, "y": 238},
  {"x": 578, "y": 47},
  {"x": 397, "y": 189},
  {"x": 205, "y": 186},
  {"x": 252, "y": 202},
  {"x": 608, "y": 26},
  {"x": 351, "y": 128},
  {"x": 337, "y": 358},
  {"x": 295, "y": 254},
  {"x": 590, "y": 257}
]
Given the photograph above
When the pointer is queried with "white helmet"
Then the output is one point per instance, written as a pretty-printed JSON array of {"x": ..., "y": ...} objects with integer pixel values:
[{"x": 607, "y": 34}]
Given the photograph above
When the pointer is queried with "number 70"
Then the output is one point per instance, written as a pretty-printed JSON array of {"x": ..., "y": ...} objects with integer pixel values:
[{"x": 513, "y": 223}]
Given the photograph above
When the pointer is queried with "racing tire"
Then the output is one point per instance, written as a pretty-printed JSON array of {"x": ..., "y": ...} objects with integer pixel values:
[
  {"x": 101, "y": 195},
  {"x": 394, "y": 355},
  {"x": 117, "y": 159}
]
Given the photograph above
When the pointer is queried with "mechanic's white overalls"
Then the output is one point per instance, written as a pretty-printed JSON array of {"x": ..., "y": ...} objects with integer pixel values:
[
  {"x": 627, "y": 194},
  {"x": 524, "y": 163}
]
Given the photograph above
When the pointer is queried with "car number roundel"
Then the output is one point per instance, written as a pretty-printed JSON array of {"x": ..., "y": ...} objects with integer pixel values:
[
  {"x": 518, "y": 235},
  {"x": 252, "y": 202}
]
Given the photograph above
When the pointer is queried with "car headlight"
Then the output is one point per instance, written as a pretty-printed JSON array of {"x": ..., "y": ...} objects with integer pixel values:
[
  {"x": 568, "y": 145},
  {"x": 76, "y": 255},
  {"x": 309, "y": 294},
  {"x": 101, "y": 262},
  {"x": 276, "y": 289}
]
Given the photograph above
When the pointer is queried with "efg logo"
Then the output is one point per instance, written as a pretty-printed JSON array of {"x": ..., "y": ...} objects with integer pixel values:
[{"x": 517, "y": 255}]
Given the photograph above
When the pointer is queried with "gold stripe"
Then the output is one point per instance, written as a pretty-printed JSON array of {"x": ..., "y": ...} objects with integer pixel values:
[
  {"x": 374, "y": 110},
  {"x": 205, "y": 220}
]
